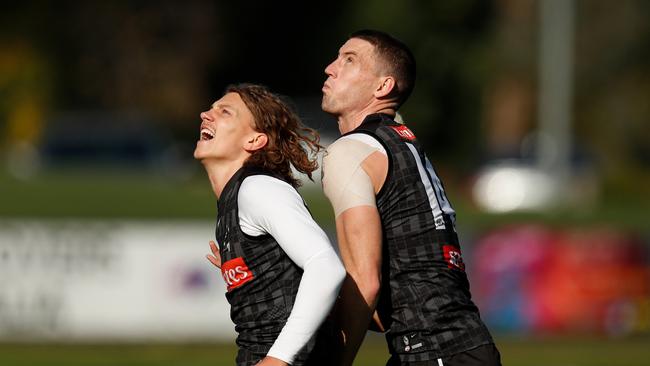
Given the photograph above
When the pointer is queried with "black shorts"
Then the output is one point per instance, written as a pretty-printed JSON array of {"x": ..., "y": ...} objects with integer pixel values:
[{"x": 486, "y": 355}]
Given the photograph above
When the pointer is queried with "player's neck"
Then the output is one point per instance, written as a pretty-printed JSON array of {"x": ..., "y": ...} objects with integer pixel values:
[
  {"x": 350, "y": 121},
  {"x": 220, "y": 172}
]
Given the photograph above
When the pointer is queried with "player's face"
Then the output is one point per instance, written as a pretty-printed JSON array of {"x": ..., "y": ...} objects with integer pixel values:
[
  {"x": 224, "y": 130},
  {"x": 351, "y": 78}
]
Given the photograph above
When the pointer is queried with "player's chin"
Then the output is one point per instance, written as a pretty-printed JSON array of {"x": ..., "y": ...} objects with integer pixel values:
[
  {"x": 200, "y": 153},
  {"x": 326, "y": 105}
]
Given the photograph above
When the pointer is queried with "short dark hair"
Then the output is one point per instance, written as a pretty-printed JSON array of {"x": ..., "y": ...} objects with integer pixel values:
[{"x": 397, "y": 58}]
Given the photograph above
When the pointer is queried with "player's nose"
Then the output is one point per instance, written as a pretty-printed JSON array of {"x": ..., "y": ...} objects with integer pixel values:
[{"x": 330, "y": 69}]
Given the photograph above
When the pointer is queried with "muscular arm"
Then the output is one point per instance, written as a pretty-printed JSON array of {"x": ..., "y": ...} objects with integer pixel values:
[
  {"x": 359, "y": 237},
  {"x": 352, "y": 177}
]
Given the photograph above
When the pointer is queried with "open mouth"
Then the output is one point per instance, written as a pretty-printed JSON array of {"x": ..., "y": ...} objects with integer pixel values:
[{"x": 206, "y": 134}]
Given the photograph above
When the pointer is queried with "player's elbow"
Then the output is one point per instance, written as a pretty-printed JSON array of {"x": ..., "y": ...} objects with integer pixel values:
[{"x": 369, "y": 285}]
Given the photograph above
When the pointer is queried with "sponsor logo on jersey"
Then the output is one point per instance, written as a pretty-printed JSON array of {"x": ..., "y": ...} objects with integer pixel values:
[
  {"x": 236, "y": 273},
  {"x": 453, "y": 258},
  {"x": 407, "y": 346},
  {"x": 404, "y": 132}
]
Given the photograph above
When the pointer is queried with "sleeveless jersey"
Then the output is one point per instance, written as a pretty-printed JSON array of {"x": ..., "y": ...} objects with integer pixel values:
[
  {"x": 261, "y": 280},
  {"x": 425, "y": 300}
]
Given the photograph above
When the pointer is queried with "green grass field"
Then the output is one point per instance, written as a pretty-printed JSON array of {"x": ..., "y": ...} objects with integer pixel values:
[
  {"x": 515, "y": 352},
  {"x": 143, "y": 195}
]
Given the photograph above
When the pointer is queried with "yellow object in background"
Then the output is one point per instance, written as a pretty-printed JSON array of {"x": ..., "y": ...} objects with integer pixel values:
[
  {"x": 25, "y": 121},
  {"x": 24, "y": 88}
]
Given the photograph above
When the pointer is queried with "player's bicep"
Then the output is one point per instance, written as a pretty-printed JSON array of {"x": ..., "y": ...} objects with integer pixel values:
[
  {"x": 360, "y": 243},
  {"x": 359, "y": 233},
  {"x": 345, "y": 181},
  {"x": 276, "y": 208}
]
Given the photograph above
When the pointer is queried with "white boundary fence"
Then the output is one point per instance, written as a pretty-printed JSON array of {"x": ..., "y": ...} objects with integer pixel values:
[{"x": 81, "y": 280}]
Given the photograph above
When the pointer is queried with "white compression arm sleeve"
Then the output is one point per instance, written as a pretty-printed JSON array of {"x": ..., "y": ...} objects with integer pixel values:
[{"x": 268, "y": 205}]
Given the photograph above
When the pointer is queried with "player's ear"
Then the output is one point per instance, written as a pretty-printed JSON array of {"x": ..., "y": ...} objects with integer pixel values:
[
  {"x": 256, "y": 141},
  {"x": 385, "y": 87}
]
